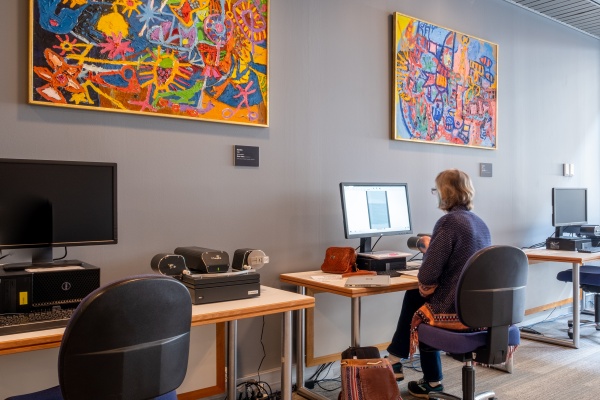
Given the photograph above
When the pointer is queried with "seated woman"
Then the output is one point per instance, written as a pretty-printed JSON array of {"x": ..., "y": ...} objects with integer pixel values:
[{"x": 456, "y": 237}]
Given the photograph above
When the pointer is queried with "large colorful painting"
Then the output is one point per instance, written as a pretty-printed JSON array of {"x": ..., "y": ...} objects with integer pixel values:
[
  {"x": 445, "y": 85},
  {"x": 196, "y": 59}
]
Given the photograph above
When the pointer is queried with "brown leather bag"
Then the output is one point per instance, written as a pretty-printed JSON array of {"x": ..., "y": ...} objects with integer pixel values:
[{"x": 339, "y": 260}]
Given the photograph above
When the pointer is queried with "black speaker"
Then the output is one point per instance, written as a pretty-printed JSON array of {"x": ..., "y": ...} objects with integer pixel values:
[
  {"x": 204, "y": 261},
  {"x": 168, "y": 264}
]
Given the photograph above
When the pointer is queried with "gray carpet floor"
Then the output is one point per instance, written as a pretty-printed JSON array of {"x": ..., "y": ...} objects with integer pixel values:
[{"x": 540, "y": 371}]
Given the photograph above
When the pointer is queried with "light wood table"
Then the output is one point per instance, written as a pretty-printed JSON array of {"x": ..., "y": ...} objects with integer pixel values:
[
  {"x": 305, "y": 280},
  {"x": 576, "y": 259},
  {"x": 270, "y": 301}
]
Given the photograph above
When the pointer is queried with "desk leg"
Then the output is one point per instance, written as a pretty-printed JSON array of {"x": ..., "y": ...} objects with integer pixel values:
[
  {"x": 576, "y": 316},
  {"x": 300, "y": 353},
  {"x": 286, "y": 352},
  {"x": 355, "y": 335},
  {"x": 231, "y": 359}
]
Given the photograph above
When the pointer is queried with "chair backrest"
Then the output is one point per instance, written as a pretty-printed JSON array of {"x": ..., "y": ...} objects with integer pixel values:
[
  {"x": 491, "y": 294},
  {"x": 127, "y": 340}
]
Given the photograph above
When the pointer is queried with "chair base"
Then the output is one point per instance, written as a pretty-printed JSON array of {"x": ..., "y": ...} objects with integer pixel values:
[
  {"x": 468, "y": 387},
  {"x": 481, "y": 396}
]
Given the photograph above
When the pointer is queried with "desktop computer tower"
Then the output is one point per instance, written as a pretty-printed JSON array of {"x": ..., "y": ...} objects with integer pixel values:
[
  {"x": 567, "y": 243},
  {"x": 383, "y": 264},
  {"x": 24, "y": 290}
]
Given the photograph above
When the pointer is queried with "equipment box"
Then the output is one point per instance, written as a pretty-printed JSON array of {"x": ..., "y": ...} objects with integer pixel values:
[{"x": 212, "y": 288}]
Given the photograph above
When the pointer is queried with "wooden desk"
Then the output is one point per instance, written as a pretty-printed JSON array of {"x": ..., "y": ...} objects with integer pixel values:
[
  {"x": 304, "y": 280},
  {"x": 270, "y": 301},
  {"x": 576, "y": 259}
]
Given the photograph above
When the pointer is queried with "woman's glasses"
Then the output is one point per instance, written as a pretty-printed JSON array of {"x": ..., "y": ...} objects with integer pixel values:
[{"x": 434, "y": 191}]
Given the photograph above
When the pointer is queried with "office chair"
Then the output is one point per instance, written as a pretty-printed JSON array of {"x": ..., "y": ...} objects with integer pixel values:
[
  {"x": 490, "y": 294},
  {"x": 127, "y": 340},
  {"x": 589, "y": 281}
]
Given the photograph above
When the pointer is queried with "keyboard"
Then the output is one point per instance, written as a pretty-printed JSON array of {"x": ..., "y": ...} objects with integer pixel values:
[
  {"x": 34, "y": 321},
  {"x": 590, "y": 250}
]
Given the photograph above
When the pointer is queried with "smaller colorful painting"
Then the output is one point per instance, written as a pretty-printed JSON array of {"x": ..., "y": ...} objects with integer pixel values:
[
  {"x": 445, "y": 85},
  {"x": 205, "y": 60}
]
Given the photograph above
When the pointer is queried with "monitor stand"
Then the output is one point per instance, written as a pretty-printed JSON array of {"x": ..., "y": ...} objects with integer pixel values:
[
  {"x": 41, "y": 257},
  {"x": 365, "y": 245}
]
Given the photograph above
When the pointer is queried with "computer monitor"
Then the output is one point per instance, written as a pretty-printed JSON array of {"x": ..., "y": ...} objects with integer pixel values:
[
  {"x": 46, "y": 204},
  {"x": 569, "y": 209},
  {"x": 374, "y": 209}
]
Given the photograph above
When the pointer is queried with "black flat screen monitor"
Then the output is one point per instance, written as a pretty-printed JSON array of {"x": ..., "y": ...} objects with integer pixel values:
[
  {"x": 569, "y": 208},
  {"x": 374, "y": 209},
  {"x": 45, "y": 204}
]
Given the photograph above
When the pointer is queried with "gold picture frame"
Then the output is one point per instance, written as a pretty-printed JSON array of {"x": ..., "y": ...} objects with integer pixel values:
[
  {"x": 205, "y": 60},
  {"x": 445, "y": 85}
]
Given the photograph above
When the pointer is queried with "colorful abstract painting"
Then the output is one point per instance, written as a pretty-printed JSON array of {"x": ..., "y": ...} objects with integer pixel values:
[
  {"x": 197, "y": 59},
  {"x": 445, "y": 85}
]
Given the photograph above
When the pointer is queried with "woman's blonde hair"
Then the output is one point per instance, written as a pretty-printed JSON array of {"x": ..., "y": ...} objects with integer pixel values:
[{"x": 454, "y": 189}]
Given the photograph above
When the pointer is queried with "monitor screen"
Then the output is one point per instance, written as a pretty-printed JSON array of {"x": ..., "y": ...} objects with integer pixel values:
[
  {"x": 375, "y": 209},
  {"x": 569, "y": 207},
  {"x": 45, "y": 204}
]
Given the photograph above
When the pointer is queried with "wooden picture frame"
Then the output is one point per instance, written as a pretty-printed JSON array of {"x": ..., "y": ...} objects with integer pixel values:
[
  {"x": 445, "y": 85},
  {"x": 205, "y": 60}
]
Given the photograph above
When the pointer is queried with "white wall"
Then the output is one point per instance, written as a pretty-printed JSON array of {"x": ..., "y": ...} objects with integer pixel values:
[{"x": 330, "y": 92}]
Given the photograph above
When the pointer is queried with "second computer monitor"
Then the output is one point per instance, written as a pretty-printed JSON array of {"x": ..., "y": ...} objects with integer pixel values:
[{"x": 569, "y": 208}]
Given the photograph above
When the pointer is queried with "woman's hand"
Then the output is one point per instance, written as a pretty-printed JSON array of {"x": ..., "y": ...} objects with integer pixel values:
[{"x": 423, "y": 243}]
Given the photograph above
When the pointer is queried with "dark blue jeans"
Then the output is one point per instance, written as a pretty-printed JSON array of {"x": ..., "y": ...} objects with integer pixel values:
[{"x": 431, "y": 363}]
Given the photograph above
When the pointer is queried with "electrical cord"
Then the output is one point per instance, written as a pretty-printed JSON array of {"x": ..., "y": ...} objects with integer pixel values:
[
  {"x": 529, "y": 328},
  {"x": 414, "y": 363},
  {"x": 540, "y": 244},
  {"x": 2, "y": 256},
  {"x": 372, "y": 247},
  {"x": 63, "y": 257},
  {"x": 315, "y": 380},
  {"x": 413, "y": 257},
  {"x": 262, "y": 331},
  {"x": 257, "y": 389},
  {"x": 377, "y": 241}
]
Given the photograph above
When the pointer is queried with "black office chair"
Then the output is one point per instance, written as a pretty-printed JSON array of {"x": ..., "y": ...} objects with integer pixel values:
[
  {"x": 127, "y": 340},
  {"x": 589, "y": 281},
  {"x": 490, "y": 294}
]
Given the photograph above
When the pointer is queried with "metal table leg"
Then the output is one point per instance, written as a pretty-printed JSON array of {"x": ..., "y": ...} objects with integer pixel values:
[
  {"x": 576, "y": 318},
  {"x": 231, "y": 359},
  {"x": 286, "y": 352},
  {"x": 300, "y": 353},
  {"x": 355, "y": 321}
]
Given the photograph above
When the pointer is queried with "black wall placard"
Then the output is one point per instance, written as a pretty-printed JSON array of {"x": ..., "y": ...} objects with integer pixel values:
[{"x": 245, "y": 156}]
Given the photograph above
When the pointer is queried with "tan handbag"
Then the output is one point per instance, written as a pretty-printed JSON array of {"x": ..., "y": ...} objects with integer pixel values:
[{"x": 339, "y": 260}]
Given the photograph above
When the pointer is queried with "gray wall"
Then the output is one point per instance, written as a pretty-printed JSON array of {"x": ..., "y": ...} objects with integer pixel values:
[{"x": 330, "y": 91}]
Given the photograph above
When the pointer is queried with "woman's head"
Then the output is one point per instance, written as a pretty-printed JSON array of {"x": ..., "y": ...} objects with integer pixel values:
[{"x": 454, "y": 189}]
